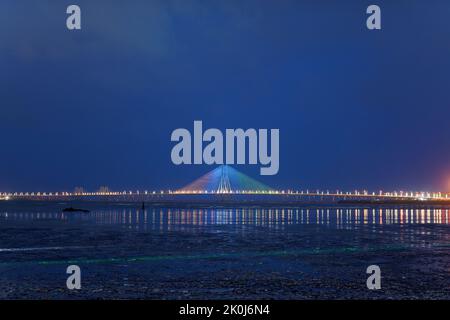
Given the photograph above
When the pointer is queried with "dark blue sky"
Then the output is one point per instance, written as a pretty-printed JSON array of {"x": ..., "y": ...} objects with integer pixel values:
[{"x": 355, "y": 108}]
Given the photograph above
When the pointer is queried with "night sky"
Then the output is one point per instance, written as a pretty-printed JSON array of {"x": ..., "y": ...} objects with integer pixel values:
[{"x": 355, "y": 108}]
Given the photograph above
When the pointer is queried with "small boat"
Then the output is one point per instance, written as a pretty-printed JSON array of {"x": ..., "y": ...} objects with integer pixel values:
[{"x": 72, "y": 209}]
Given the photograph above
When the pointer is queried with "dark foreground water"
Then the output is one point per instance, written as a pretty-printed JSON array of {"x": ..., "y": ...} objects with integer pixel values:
[{"x": 253, "y": 253}]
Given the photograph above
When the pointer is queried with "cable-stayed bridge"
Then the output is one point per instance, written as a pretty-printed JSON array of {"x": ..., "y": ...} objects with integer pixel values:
[
  {"x": 226, "y": 185},
  {"x": 225, "y": 179}
]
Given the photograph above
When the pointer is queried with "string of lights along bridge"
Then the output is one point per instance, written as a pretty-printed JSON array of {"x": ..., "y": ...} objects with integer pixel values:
[{"x": 223, "y": 181}]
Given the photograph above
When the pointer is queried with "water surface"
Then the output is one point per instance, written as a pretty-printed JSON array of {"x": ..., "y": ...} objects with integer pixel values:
[{"x": 229, "y": 253}]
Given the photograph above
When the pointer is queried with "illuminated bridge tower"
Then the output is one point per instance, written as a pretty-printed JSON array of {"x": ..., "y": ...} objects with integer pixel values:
[
  {"x": 224, "y": 179},
  {"x": 224, "y": 184}
]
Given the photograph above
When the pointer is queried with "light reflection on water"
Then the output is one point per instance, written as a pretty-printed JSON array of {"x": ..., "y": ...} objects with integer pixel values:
[{"x": 170, "y": 219}]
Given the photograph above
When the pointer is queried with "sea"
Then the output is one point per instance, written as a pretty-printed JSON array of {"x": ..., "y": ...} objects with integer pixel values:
[{"x": 126, "y": 251}]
